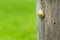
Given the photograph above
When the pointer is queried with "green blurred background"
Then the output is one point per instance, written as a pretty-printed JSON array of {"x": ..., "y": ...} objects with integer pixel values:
[{"x": 17, "y": 19}]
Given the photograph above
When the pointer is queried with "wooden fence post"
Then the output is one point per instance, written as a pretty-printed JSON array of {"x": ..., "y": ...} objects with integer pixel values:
[{"x": 49, "y": 26}]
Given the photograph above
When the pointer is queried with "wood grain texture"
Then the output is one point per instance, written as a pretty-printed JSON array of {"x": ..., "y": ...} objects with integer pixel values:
[
  {"x": 40, "y": 22},
  {"x": 54, "y": 20},
  {"x": 58, "y": 38},
  {"x": 49, "y": 28},
  {"x": 51, "y": 19},
  {"x": 48, "y": 20}
]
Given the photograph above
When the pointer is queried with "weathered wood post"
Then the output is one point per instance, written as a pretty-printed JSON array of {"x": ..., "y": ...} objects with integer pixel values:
[{"x": 49, "y": 26}]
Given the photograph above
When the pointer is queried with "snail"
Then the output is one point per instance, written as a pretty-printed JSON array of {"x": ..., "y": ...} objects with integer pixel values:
[{"x": 41, "y": 13}]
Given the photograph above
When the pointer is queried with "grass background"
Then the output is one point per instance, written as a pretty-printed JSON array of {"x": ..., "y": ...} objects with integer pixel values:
[{"x": 17, "y": 19}]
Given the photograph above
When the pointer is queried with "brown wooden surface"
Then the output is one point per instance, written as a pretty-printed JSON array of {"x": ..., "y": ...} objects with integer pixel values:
[
  {"x": 49, "y": 26},
  {"x": 58, "y": 38}
]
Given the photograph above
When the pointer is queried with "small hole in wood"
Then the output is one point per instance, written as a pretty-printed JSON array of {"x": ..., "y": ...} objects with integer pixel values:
[{"x": 54, "y": 23}]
